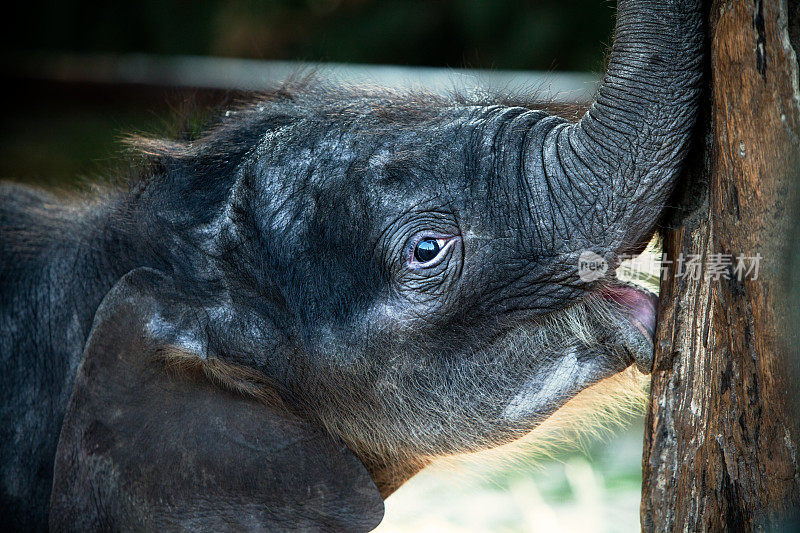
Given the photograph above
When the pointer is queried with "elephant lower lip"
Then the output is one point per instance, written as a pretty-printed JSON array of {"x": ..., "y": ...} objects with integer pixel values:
[{"x": 641, "y": 308}]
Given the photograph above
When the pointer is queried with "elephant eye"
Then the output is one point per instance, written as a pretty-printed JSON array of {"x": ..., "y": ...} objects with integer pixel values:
[
  {"x": 427, "y": 250},
  {"x": 430, "y": 251}
]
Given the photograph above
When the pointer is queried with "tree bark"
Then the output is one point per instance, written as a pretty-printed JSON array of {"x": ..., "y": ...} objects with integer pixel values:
[{"x": 722, "y": 441}]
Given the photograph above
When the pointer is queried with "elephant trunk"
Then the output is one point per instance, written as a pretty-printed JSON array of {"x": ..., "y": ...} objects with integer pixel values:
[{"x": 616, "y": 167}]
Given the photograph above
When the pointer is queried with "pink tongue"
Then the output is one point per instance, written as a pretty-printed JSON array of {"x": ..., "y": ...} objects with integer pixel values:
[{"x": 640, "y": 305}]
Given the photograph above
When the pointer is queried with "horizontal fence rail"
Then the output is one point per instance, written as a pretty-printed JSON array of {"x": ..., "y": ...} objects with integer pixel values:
[{"x": 230, "y": 74}]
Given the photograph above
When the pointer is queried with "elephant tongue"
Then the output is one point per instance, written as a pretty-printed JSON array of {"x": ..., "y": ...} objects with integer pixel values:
[{"x": 640, "y": 306}]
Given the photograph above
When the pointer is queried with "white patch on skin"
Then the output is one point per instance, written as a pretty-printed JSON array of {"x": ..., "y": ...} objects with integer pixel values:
[
  {"x": 220, "y": 314},
  {"x": 379, "y": 158},
  {"x": 218, "y": 224},
  {"x": 280, "y": 221},
  {"x": 538, "y": 393},
  {"x": 160, "y": 328},
  {"x": 190, "y": 343},
  {"x": 256, "y": 333}
]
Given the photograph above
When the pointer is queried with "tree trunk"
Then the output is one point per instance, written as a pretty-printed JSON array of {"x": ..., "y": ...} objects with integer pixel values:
[{"x": 722, "y": 442}]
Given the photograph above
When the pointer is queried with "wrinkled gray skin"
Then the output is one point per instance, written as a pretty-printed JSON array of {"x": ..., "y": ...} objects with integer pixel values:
[{"x": 283, "y": 242}]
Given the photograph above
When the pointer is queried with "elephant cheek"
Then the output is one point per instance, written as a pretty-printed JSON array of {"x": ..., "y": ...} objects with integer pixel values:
[{"x": 558, "y": 382}]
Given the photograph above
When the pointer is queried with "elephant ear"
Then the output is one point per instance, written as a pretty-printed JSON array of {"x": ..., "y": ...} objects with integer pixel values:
[{"x": 147, "y": 449}]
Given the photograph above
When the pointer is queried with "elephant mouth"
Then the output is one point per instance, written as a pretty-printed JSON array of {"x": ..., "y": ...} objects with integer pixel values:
[{"x": 640, "y": 308}]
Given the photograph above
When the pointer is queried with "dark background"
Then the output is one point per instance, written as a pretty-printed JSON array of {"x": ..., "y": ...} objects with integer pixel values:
[{"x": 52, "y": 132}]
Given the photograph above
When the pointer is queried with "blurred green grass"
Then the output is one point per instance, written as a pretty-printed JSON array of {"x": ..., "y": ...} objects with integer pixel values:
[{"x": 593, "y": 490}]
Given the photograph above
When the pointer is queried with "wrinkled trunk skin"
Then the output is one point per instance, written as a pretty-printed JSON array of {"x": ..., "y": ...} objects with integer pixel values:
[
  {"x": 722, "y": 436},
  {"x": 618, "y": 164}
]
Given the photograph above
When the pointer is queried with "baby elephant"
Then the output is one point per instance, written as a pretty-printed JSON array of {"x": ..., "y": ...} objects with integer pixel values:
[{"x": 279, "y": 323}]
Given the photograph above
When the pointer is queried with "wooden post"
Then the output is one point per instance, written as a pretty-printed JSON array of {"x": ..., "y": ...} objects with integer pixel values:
[{"x": 722, "y": 441}]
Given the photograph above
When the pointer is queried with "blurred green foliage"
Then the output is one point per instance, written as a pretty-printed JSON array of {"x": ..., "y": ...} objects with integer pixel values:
[
  {"x": 536, "y": 35},
  {"x": 597, "y": 489},
  {"x": 50, "y": 137}
]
